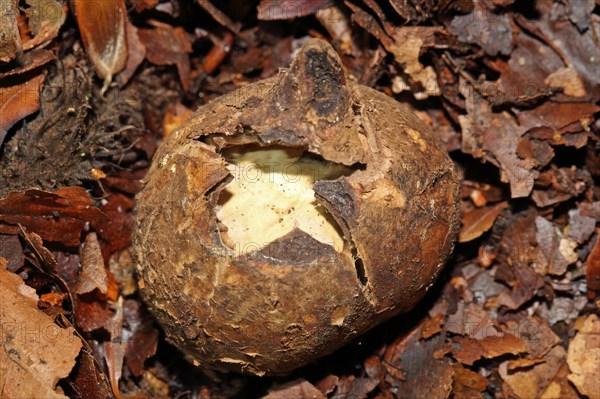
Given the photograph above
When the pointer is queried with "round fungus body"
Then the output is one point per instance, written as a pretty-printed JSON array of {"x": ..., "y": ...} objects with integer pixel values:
[{"x": 286, "y": 218}]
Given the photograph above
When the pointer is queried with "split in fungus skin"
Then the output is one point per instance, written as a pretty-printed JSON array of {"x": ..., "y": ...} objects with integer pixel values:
[
  {"x": 283, "y": 220},
  {"x": 271, "y": 193}
]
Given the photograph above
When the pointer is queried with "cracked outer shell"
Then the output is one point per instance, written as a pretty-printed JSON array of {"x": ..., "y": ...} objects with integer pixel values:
[{"x": 278, "y": 308}]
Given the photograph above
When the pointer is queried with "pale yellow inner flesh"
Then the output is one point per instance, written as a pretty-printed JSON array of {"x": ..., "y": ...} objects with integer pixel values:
[{"x": 271, "y": 194}]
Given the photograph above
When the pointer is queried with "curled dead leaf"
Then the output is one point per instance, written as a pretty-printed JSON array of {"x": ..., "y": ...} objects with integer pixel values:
[
  {"x": 102, "y": 28},
  {"x": 18, "y": 101},
  {"x": 479, "y": 220}
]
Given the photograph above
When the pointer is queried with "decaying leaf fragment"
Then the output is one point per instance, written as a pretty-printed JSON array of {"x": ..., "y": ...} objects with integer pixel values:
[
  {"x": 35, "y": 353},
  {"x": 264, "y": 194},
  {"x": 493, "y": 32},
  {"x": 496, "y": 136},
  {"x": 406, "y": 44},
  {"x": 584, "y": 357},
  {"x": 44, "y": 19},
  {"x": 531, "y": 382},
  {"x": 93, "y": 274},
  {"x": 10, "y": 42}
]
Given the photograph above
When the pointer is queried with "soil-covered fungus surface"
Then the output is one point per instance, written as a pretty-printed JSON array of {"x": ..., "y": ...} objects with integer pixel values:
[{"x": 300, "y": 199}]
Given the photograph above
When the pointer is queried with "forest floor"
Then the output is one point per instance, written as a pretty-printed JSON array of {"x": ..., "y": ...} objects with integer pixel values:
[{"x": 88, "y": 90}]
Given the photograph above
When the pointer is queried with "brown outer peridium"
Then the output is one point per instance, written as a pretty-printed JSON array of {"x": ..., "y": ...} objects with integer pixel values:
[{"x": 273, "y": 310}]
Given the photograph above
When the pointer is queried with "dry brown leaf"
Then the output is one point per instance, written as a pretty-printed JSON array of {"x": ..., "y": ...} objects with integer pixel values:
[
  {"x": 297, "y": 389},
  {"x": 337, "y": 24},
  {"x": 560, "y": 387},
  {"x": 467, "y": 384},
  {"x": 560, "y": 184},
  {"x": 217, "y": 53},
  {"x": 522, "y": 77},
  {"x": 467, "y": 350},
  {"x": 493, "y": 32},
  {"x": 18, "y": 101},
  {"x": 10, "y": 41},
  {"x": 29, "y": 61},
  {"x": 288, "y": 9},
  {"x": 584, "y": 358},
  {"x": 44, "y": 18},
  {"x": 90, "y": 314},
  {"x": 115, "y": 231},
  {"x": 472, "y": 321},
  {"x": 93, "y": 274},
  {"x": 35, "y": 353},
  {"x": 219, "y": 16},
  {"x": 479, "y": 220},
  {"x": 487, "y": 132},
  {"x": 523, "y": 363},
  {"x": 176, "y": 114},
  {"x": 406, "y": 44},
  {"x": 581, "y": 227},
  {"x": 592, "y": 274},
  {"x": 327, "y": 384},
  {"x": 12, "y": 251},
  {"x": 579, "y": 49},
  {"x": 532, "y": 382},
  {"x": 114, "y": 350},
  {"x": 136, "y": 52},
  {"x": 53, "y": 298},
  {"x": 537, "y": 334},
  {"x": 567, "y": 79},
  {"x": 122, "y": 267},
  {"x": 102, "y": 28},
  {"x": 166, "y": 45},
  {"x": 140, "y": 336},
  {"x": 410, "y": 359},
  {"x": 58, "y": 217},
  {"x": 432, "y": 325},
  {"x": 88, "y": 379},
  {"x": 555, "y": 252},
  {"x": 558, "y": 117},
  {"x": 141, "y": 5}
]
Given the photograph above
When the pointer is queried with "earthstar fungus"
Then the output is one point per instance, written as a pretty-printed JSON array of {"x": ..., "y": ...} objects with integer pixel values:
[{"x": 349, "y": 213}]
